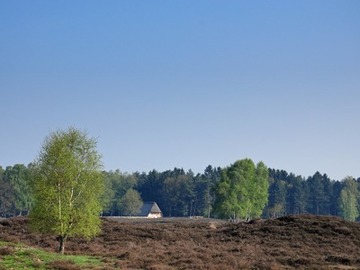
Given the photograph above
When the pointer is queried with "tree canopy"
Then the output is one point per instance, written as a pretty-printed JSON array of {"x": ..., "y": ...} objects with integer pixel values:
[
  {"x": 242, "y": 192},
  {"x": 348, "y": 200},
  {"x": 183, "y": 193},
  {"x": 67, "y": 185},
  {"x": 130, "y": 204}
]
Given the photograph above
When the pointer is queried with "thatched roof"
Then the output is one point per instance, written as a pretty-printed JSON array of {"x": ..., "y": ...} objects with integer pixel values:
[{"x": 149, "y": 207}]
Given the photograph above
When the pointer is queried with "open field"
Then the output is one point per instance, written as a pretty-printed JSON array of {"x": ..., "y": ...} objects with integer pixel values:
[{"x": 293, "y": 242}]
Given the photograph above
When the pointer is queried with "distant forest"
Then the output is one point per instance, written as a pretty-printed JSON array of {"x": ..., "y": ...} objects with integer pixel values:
[{"x": 182, "y": 193}]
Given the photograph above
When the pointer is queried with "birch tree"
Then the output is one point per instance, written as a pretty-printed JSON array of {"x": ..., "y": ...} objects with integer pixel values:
[
  {"x": 348, "y": 200},
  {"x": 242, "y": 191},
  {"x": 67, "y": 186}
]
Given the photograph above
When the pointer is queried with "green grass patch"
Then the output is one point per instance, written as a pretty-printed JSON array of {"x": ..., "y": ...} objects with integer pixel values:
[{"x": 17, "y": 257}]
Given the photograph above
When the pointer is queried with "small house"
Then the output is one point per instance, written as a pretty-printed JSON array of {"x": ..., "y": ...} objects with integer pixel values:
[{"x": 150, "y": 210}]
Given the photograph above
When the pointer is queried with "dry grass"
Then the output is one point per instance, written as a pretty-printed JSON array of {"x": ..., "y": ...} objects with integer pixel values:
[{"x": 294, "y": 242}]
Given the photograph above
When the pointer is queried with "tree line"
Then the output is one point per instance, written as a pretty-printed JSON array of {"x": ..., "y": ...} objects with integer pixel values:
[
  {"x": 318, "y": 194},
  {"x": 217, "y": 192},
  {"x": 65, "y": 190}
]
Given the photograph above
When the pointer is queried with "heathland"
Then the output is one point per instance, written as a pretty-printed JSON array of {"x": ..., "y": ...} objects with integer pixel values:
[{"x": 290, "y": 242}]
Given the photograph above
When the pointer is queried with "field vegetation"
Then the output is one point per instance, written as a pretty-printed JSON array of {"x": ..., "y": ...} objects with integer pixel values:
[
  {"x": 290, "y": 242},
  {"x": 20, "y": 256}
]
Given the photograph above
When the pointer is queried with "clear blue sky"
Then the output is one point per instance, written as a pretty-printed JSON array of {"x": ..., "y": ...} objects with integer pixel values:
[{"x": 164, "y": 84}]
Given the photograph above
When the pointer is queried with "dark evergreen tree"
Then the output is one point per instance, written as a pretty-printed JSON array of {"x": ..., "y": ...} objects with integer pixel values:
[
  {"x": 294, "y": 189},
  {"x": 204, "y": 189},
  {"x": 319, "y": 188},
  {"x": 276, "y": 206},
  {"x": 336, "y": 190},
  {"x": 7, "y": 196},
  {"x": 19, "y": 178},
  {"x": 296, "y": 199},
  {"x": 150, "y": 187}
]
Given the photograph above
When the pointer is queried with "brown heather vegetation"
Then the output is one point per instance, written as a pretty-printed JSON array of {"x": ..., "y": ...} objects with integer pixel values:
[{"x": 292, "y": 242}]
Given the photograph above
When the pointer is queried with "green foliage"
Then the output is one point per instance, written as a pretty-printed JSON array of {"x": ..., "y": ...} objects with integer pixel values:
[
  {"x": 7, "y": 196},
  {"x": 15, "y": 197},
  {"x": 116, "y": 186},
  {"x": 277, "y": 198},
  {"x": 293, "y": 195},
  {"x": 242, "y": 191},
  {"x": 348, "y": 200},
  {"x": 260, "y": 190},
  {"x": 22, "y": 257},
  {"x": 178, "y": 193},
  {"x": 19, "y": 180},
  {"x": 297, "y": 195},
  {"x": 319, "y": 191},
  {"x": 130, "y": 203},
  {"x": 67, "y": 186},
  {"x": 107, "y": 199}
]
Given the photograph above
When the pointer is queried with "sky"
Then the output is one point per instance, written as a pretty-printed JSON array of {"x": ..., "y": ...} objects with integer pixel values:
[{"x": 186, "y": 84}]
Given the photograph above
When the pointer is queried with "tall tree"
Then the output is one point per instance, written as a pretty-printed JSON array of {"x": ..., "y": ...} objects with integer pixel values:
[
  {"x": 260, "y": 190},
  {"x": 348, "y": 203},
  {"x": 276, "y": 206},
  {"x": 177, "y": 192},
  {"x": 130, "y": 203},
  {"x": 297, "y": 195},
  {"x": 7, "y": 198},
  {"x": 67, "y": 186},
  {"x": 226, "y": 203},
  {"x": 151, "y": 188},
  {"x": 242, "y": 191},
  {"x": 205, "y": 190},
  {"x": 319, "y": 191},
  {"x": 107, "y": 199},
  {"x": 116, "y": 186},
  {"x": 18, "y": 176},
  {"x": 334, "y": 201}
]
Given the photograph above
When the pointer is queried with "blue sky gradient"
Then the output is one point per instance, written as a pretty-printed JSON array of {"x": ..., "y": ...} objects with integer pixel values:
[{"x": 164, "y": 84}]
